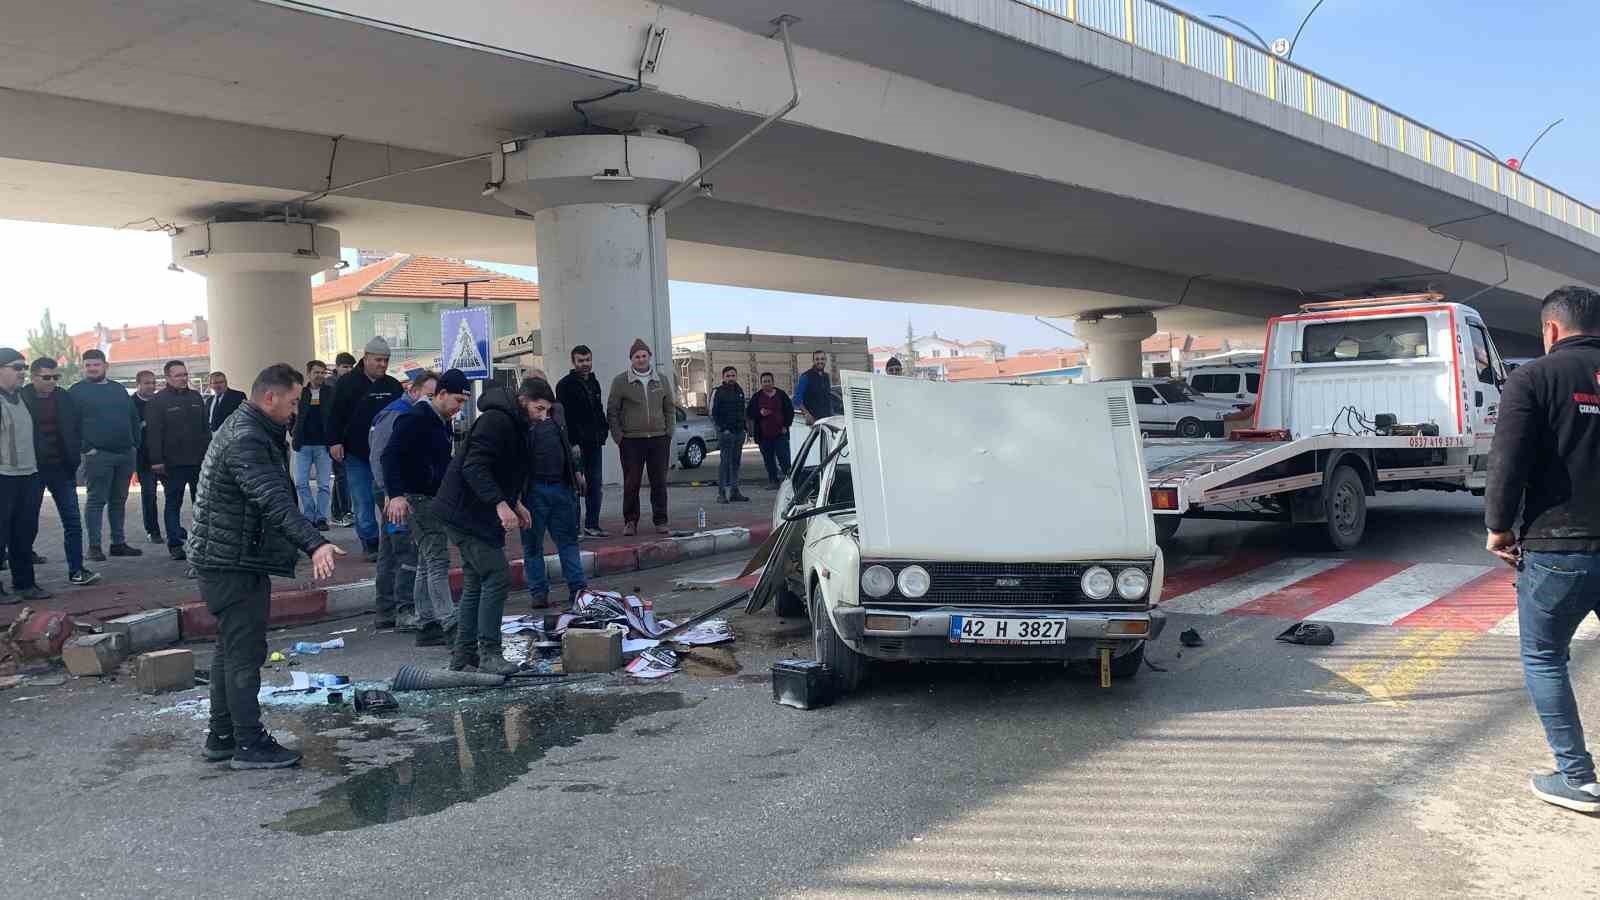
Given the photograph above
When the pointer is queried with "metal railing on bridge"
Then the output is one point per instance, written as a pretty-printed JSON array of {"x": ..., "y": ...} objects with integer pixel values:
[{"x": 1174, "y": 34}]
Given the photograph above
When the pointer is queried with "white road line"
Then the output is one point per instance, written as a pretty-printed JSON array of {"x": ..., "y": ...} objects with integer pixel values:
[
  {"x": 1399, "y": 595},
  {"x": 1241, "y": 589},
  {"x": 1589, "y": 630}
]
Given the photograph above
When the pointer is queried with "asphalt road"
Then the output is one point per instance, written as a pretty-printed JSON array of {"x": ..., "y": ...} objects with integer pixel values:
[{"x": 1391, "y": 764}]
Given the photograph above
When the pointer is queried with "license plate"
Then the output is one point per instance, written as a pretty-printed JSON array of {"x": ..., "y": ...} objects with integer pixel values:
[{"x": 1003, "y": 630}]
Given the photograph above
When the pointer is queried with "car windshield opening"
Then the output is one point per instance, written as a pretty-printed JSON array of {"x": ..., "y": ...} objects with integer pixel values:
[{"x": 1175, "y": 392}]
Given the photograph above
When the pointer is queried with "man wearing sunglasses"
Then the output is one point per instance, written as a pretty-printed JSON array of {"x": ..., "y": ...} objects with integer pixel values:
[
  {"x": 57, "y": 448},
  {"x": 19, "y": 481}
]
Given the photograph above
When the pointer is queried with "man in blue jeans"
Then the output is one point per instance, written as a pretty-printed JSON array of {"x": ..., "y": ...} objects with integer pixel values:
[
  {"x": 110, "y": 427},
  {"x": 357, "y": 400},
  {"x": 57, "y": 447},
  {"x": 551, "y": 499},
  {"x": 1543, "y": 461}
]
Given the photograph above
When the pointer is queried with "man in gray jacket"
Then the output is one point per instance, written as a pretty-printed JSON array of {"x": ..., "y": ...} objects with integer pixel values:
[
  {"x": 20, "y": 492},
  {"x": 109, "y": 424}
]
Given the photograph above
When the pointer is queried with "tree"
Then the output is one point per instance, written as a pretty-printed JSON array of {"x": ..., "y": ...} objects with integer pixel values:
[{"x": 51, "y": 340}]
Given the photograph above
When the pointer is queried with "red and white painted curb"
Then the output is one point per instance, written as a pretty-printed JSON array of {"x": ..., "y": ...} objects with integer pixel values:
[{"x": 318, "y": 604}]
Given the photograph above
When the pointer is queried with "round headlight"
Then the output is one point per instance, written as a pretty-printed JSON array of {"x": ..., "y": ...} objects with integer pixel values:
[
  {"x": 877, "y": 581},
  {"x": 914, "y": 581},
  {"x": 1097, "y": 583},
  {"x": 1132, "y": 584}
]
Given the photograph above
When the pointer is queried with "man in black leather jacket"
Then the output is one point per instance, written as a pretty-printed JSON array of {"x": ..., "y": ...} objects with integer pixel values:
[{"x": 247, "y": 526}]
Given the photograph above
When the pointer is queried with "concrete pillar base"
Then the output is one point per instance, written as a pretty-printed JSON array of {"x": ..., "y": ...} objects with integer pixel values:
[
  {"x": 258, "y": 290},
  {"x": 1114, "y": 343}
]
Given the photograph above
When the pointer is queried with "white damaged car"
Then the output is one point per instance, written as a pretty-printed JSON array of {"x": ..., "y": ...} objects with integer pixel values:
[{"x": 976, "y": 522}]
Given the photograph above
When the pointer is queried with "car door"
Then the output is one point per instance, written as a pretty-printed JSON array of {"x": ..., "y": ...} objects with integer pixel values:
[
  {"x": 1488, "y": 375},
  {"x": 1154, "y": 413}
]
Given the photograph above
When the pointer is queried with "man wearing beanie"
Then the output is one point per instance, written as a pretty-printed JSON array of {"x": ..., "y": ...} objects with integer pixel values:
[
  {"x": 20, "y": 492},
  {"x": 357, "y": 400},
  {"x": 642, "y": 414}
]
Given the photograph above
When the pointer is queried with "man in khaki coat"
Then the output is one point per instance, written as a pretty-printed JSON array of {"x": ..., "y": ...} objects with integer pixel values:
[{"x": 643, "y": 415}]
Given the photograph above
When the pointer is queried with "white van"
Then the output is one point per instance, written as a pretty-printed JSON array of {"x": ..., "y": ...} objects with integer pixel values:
[{"x": 1227, "y": 382}]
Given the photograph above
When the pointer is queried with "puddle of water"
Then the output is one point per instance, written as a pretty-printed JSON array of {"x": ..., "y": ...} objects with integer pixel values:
[{"x": 418, "y": 765}]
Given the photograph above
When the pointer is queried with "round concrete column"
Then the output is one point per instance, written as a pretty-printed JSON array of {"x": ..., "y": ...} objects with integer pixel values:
[
  {"x": 1114, "y": 343},
  {"x": 602, "y": 256},
  {"x": 258, "y": 290}
]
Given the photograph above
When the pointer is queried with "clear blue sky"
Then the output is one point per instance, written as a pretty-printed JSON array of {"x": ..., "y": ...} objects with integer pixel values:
[{"x": 1492, "y": 73}]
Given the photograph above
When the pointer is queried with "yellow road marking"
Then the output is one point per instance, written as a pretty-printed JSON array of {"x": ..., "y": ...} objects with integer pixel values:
[{"x": 1431, "y": 649}]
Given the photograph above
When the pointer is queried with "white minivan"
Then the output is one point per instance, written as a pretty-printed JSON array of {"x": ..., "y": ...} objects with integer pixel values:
[{"x": 1227, "y": 382}]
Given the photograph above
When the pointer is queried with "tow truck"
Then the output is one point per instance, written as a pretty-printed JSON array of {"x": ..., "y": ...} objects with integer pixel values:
[{"x": 1397, "y": 393}]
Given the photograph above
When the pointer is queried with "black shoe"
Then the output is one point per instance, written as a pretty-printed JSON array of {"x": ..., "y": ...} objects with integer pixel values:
[
  {"x": 156, "y": 538},
  {"x": 219, "y": 749},
  {"x": 596, "y": 533},
  {"x": 177, "y": 553},
  {"x": 35, "y": 593},
  {"x": 431, "y": 635},
  {"x": 738, "y": 498},
  {"x": 95, "y": 554},
  {"x": 39, "y": 560},
  {"x": 125, "y": 550},
  {"x": 264, "y": 753},
  {"x": 383, "y": 624},
  {"x": 371, "y": 548},
  {"x": 83, "y": 577},
  {"x": 721, "y": 497},
  {"x": 322, "y": 524}
]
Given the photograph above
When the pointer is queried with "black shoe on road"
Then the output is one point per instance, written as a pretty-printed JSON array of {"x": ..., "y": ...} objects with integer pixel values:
[
  {"x": 219, "y": 749},
  {"x": 264, "y": 753},
  {"x": 738, "y": 498},
  {"x": 83, "y": 577},
  {"x": 430, "y": 635},
  {"x": 95, "y": 554},
  {"x": 177, "y": 553},
  {"x": 35, "y": 593},
  {"x": 156, "y": 538},
  {"x": 125, "y": 550},
  {"x": 322, "y": 524},
  {"x": 596, "y": 533}
]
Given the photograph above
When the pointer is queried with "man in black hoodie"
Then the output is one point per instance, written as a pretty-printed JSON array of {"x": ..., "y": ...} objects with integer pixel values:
[
  {"x": 1543, "y": 461},
  {"x": 479, "y": 501},
  {"x": 357, "y": 400},
  {"x": 579, "y": 395}
]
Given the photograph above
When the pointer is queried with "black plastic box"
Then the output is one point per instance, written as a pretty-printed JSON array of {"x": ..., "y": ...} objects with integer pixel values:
[{"x": 801, "y": 683}]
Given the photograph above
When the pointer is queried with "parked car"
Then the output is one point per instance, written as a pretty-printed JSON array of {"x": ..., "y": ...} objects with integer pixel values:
[
  {"x": 1227, "y": 382},
  {"x": 696, "y": 436},
  {"x": 1172, "y": 407}
]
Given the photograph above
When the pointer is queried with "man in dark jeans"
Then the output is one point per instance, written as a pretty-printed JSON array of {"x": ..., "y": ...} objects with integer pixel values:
[
  {"x": 579, "y": 395},
  {"x": 247, "y": 527},
  {"x": 771, "y": 416},
  {"x": 19, "y": 481},
  {"x": 554, "y": 484},
  {"x": 111, "y": 430},
  {"x": 148, "y": 495},
  {"x": 1543, "y": 461},
  {"x": 57, "y": 447},
  {"x": 729, "y": 413},
  {"x": 177, "y": 436},
  {"x": 479, "y": 501},
  {"x": 341, "y": 512}
]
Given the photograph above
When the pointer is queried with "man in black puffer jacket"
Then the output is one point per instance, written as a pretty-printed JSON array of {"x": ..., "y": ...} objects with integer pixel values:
[
  {"x": 247, "y": 526},
  {"x": 479, "y": 501}
]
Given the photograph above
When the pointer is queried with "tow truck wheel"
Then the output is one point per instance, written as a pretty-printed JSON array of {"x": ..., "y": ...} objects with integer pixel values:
[
  {"x": 847, "y": 666},
  {"x": 1346, "y": 501},
  {"x": 1166, "y": 527},
  {"x": 1190, "y": 428},
  {"x": 1128, "y": 664}
]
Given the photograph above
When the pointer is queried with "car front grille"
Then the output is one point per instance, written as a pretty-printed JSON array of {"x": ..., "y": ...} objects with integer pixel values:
[{"x": 1003, "y": 585}]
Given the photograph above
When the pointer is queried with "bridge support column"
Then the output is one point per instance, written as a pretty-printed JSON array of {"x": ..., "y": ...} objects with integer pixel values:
[
  {"x": 258, "y": 290},
  {"x": 602, "y": 255},
  {"x": 1113, "y": 341}
]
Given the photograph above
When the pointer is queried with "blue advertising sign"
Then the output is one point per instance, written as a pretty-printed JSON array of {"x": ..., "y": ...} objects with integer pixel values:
[{"x": 464, "y": 336}]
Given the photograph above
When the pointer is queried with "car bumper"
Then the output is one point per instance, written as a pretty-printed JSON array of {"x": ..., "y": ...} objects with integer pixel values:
[{"x": 926, "y": 635}]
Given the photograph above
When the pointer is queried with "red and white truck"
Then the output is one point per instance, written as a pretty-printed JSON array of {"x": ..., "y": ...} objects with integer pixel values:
[{"x": 1357, "y": 396}]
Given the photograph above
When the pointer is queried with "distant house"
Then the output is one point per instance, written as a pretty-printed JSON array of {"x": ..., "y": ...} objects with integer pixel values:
[
  {"x": 1166, "y": 353},
  {"x": 932, "y": 351},
  {"x": 400, "y": 298},
  {"x": 134, "y": 348}
]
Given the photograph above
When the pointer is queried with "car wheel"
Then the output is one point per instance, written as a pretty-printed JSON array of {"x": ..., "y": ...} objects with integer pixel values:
[
  {"x": 694, "y": 454},
  {"x": 847, "y": 667},
  {"x": 1128, "y": 664},
  {"x": 1166, "y": 527},
  {"x": 1345, "y": 498},
  {"x": 1190, "y": 428}
]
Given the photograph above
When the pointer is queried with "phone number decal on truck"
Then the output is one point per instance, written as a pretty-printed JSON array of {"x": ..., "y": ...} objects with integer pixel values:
[{"x": 1424, "y": 441}]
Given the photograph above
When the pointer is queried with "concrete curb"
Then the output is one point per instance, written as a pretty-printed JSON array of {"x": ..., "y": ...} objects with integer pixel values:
[{"x": 303, "y": 607}]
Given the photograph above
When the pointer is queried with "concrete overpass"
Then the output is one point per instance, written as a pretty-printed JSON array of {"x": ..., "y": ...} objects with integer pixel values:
[{"x": 1051, "y": 157}]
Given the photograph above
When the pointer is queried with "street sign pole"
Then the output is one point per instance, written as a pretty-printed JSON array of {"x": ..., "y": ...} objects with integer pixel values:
[{"x": 451, "y": 327}]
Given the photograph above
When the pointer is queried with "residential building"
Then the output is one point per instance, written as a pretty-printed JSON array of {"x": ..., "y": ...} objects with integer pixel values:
[
  {"x": 400, "y": 298},
  {"x": 134, "y": 348},
  {"x": 931, "y": 349}
]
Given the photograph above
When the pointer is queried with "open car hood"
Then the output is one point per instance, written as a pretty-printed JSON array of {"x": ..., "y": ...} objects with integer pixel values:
[{"x": 996, "y": 472}]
